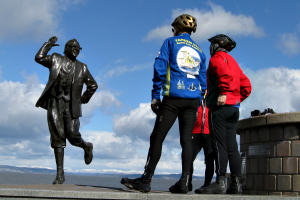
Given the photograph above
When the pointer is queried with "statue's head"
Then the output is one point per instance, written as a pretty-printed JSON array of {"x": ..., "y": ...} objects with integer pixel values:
[{"x": 72, "y": 49}]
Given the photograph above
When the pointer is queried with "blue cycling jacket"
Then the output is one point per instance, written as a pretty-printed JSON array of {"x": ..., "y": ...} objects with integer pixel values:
[{"x": 179, "y": 69}]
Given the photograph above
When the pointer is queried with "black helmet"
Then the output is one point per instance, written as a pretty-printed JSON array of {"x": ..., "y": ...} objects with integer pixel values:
[
  {"x": 185, "y": 21},
  {"x": 223, "y": 41}
]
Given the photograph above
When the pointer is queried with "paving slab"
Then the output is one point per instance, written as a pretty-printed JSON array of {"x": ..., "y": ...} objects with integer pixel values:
[{"x": 68, "y": 191}]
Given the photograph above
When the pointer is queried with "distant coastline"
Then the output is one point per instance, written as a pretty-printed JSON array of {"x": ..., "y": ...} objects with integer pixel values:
[
  {"x": 34, "y": 170},
  {"x": 12, "y": 175}
]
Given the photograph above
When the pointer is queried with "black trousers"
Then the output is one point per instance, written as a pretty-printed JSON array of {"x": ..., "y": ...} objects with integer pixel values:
[
  {"x": 223, "y": 121},
  {"x": 204, "y": 141},
  {"x": 61, "y": 125},
  {"x": 171, "y": 108}
]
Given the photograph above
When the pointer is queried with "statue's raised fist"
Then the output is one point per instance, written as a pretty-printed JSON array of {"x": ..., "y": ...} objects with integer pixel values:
[{"x": 53, "y": 40}]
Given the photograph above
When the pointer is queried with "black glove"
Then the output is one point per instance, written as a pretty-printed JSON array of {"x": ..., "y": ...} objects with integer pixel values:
[
  {"x": 155, "y": 104},
  {"x": 53, "y": 40}
]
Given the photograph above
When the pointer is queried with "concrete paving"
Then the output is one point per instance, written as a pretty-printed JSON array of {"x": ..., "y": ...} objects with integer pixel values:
[{"x": 67, "y": 191}]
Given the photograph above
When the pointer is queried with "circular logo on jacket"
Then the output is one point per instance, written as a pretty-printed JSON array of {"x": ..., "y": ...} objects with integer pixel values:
[{"x": 188, "y": 60}]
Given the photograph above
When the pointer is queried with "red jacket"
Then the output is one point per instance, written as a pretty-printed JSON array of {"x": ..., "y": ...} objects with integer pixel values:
[
  {"x": 202, "y": 118},
  {"x": 224, "y": 76}
]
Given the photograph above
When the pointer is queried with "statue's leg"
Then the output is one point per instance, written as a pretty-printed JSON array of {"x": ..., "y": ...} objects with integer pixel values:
[
  {"x": 74, "y": 137},
  {"x": 57, "y": 137},
  {"x": 59, "y": 158}
]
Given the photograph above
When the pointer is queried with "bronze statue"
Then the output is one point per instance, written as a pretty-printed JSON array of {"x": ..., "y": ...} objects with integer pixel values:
[{"x": 62, "y": 98}]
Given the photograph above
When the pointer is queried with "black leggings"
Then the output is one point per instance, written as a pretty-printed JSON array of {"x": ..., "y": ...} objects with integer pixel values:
[
  {"x": 223, "y": 122},
  {"x": 171, "y": 108},
  {"x": 200, "y": 141}
]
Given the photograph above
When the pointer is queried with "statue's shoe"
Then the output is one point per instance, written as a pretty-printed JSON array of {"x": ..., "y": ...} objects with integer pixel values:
[
  {"x": 88, "y": 153},
  {"x": 59, "y": 180}
]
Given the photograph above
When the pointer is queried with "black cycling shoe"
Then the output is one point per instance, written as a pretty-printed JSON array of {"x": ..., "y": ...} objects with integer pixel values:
[
  {"x": 137, "y": 184},
  {"x": 235, "y": 187},
  {"x": 180, "y": 186},
  {"x": 218, "y": 187},
  {"x": 201, "y": 189}
]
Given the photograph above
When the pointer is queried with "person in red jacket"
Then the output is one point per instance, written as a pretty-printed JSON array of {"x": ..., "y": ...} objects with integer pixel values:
[
  {"x": 201, "y": 139},
  {"x": 227, "y": 87}
]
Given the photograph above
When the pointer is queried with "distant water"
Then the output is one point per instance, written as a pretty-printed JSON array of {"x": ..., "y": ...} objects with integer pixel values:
[{"x": 16, "y": 178}]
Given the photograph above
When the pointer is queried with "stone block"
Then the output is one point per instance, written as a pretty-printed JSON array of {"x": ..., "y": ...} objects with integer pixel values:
[
  {"x": 296, "y": 148},
  {"x": 253, "y": 166},
  {"x": 270, "y": 183},
  {"x": 250, "y": 182},
  {"x": 263, "y": 134},
  {"x": 262, "y": 150},
  {"x": 252, "y": 192},
  {"x": 284, "y": 183},
  {"x": 262, "y": 193},
  {"x": 291, "y": 131},
  {"x": 284, "y": 149},
  {"x": 253, "y": 135},
  {"x": 247, "y": 136},
  {"x": 275, "y": 166},
  {"x": 291, "y": 194},
  {"x": 283, "y": 118},
  {"x": 275, "y": 193},
  {"x": 276, "y": 133},
  {"x": 296, "y": 183},
  {"x": 259, "y": 182},
  {"x": 252, "y": 122},
  {"x": 263, "y": 165},
  {"x": 290, "y": 165},
  {"x": 248, "y": 161}
]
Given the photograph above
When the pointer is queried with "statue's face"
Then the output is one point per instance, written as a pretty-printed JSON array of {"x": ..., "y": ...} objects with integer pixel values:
[{"x": 72, "y": 50}]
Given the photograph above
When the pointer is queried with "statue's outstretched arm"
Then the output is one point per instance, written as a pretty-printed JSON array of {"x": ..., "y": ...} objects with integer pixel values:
[{"x": 41, "y": 56}]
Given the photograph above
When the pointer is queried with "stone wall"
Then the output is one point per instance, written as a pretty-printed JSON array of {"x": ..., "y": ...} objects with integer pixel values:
[{"x": 271, "y": 144}]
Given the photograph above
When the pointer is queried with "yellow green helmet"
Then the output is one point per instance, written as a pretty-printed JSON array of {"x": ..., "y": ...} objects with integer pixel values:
[{"x": 185, "y": 21}]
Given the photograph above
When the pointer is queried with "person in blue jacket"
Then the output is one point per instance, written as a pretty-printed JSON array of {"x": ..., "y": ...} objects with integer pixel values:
[{"x": 180, "y": 72}]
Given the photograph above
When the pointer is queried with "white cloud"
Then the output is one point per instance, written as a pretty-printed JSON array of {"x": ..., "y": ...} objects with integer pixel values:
[
  {"x": 34, "y": 19},
  {"x": 276, "y": 88},
  {"x": 210, "y": 22},
  {"x": 138, "y": 124},
  {"x": 103, "y": 100},
  {"x": 19, "y": 115},
  {"x": 289, "y": 44}
]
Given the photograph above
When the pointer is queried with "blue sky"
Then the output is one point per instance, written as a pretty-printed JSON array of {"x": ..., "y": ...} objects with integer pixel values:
[{"x": 120, "y": 40}]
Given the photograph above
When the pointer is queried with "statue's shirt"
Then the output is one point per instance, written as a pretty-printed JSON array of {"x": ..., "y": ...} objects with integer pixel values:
[{"x": 63, "y": 83}]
